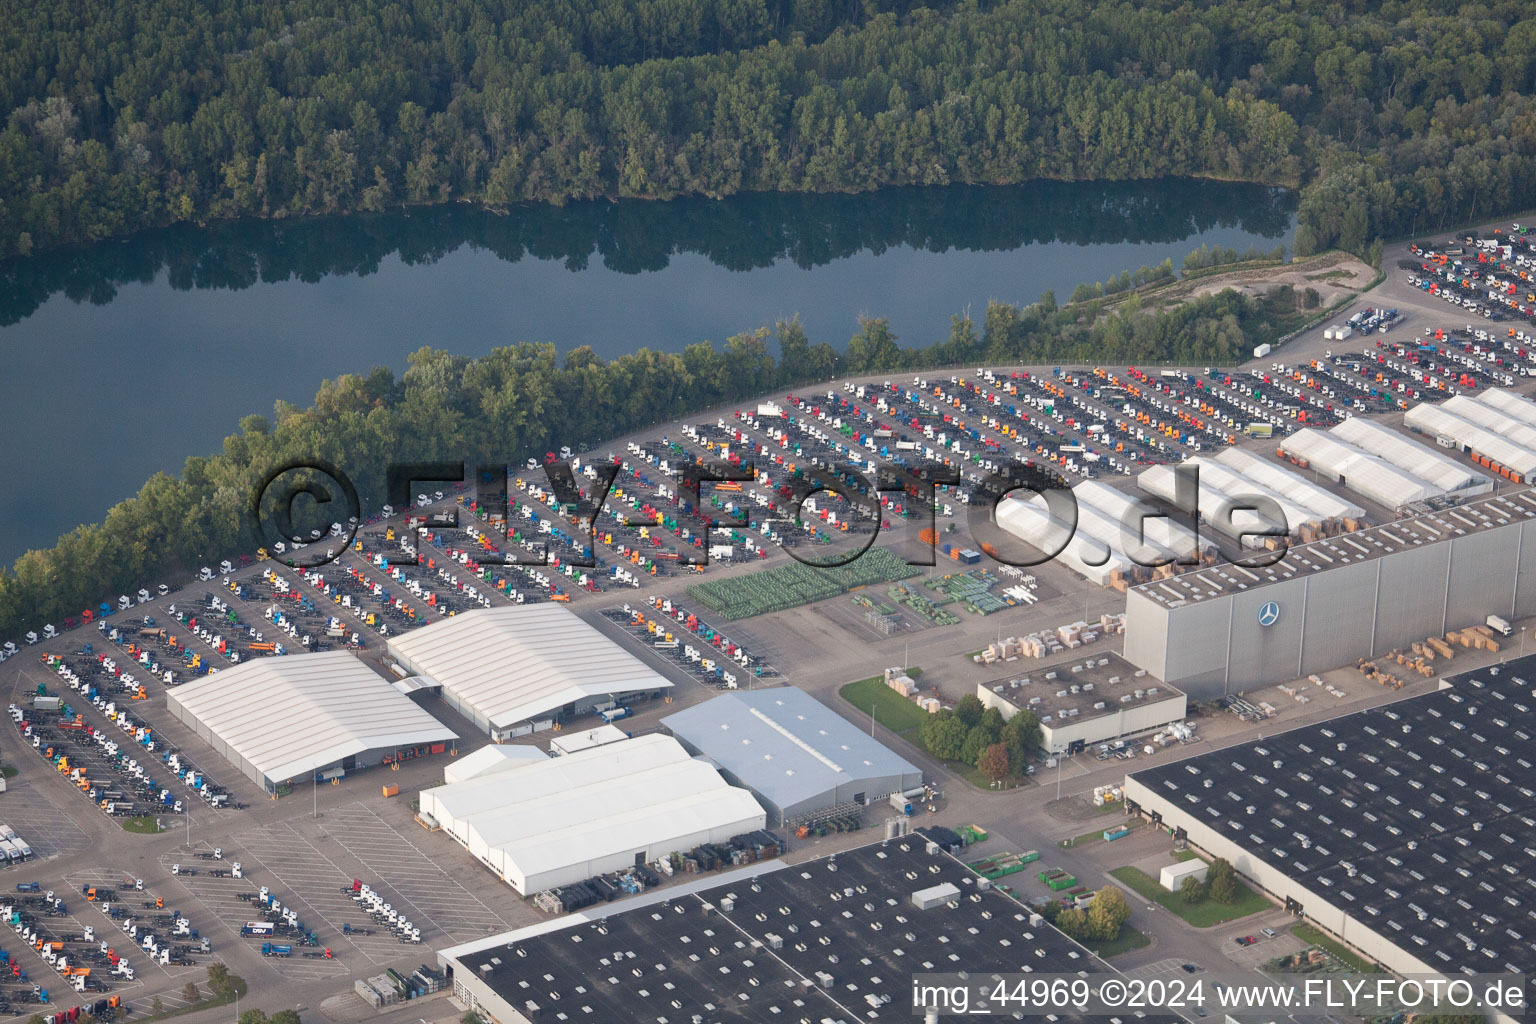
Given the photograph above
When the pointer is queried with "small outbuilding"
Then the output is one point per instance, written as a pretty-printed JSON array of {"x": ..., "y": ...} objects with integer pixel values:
[{"x": 1172, "y": 877}]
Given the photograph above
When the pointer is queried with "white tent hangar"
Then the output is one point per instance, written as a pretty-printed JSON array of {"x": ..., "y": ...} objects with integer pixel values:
[
  {"x": 1357, "y": 469},
  {"x": 591, "y": 812},
  {"x": 513, "y": 671},
  {"x": 1232, "y": 514},
  {"x": 491, "y": 759},
  {"x": 1157, "y": 529},
  {"x": 280, "y": 719},
  {"x": 1323, "y": 502},
  {"x": 1108, "y": 525},
  {"x": 1493, "y": 418},
  {"x": 1510, "y": 403},
  {"x": 1084, "y": 555},
  {"x": 1442, "y": 471},
  {"x": 1480, "y": 429},
  {"x": 1240, "y": 487}
]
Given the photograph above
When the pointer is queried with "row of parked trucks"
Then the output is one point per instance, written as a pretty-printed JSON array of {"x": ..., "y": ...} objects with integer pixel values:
[{"x": 13, "y": 848}]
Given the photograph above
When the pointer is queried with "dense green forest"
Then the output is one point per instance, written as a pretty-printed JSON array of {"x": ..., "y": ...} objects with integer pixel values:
[
  {"x": 1393, "y": 117},
  {"x": 523, "y": 400}
]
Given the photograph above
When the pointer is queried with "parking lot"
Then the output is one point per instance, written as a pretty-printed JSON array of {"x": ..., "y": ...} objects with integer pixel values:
[
  {"x": 37, "y": 820},
  {"x": 312, "y": 859}
]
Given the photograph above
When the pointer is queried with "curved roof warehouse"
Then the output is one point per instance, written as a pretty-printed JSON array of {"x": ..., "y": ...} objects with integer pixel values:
[
  {"x": 518, "y": 670},
  {"x": 280, "y": 719}
]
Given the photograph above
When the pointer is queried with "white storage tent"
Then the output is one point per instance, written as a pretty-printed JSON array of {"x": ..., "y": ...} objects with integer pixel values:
[
  {"x": 1117, "y": 516},
  {"x": 1089, "y": 558},
  {"x": 594, "y": 811},
  {"x": 1498, "y": 421},
  {"x": 455, "y": 807},
  {"x": 1441, "y": 471},
  {"x": 1474, "y": 437},
  {"x": 513, "y": 671},
  {"x": 1239, "y": 486},
  {"x": 491, "y": 759},
  {"x": 288, "y": 718},
  {"x": 1374, "y": 477},
  {"x": 1096, "y": 524},
  {"x": 1294, "y": 486},
  {"x": 1510, "y": 403},
  {"x": 1213, "y": 504}
]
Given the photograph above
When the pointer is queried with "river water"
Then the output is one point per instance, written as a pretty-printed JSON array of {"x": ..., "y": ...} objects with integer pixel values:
[{"x": 123, "y": 359}]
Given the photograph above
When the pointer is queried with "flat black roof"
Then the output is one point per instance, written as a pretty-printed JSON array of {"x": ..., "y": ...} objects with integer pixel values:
[
  {"x": 848, "y": 916},
  {"x": 1417, "y": 818}
]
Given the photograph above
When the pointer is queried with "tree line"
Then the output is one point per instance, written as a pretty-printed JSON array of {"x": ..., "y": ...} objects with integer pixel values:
[
  {"x": 524, "y": 400},
  {"x": 122, "y": 116}
]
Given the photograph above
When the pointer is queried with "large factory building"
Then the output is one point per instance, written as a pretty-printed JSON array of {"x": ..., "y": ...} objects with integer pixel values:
[
  {"x": 1226, "y": 629},
  {"x": 1405, "y": 830}
]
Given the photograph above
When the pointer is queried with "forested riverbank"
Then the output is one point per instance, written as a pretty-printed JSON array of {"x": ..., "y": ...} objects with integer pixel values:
[
  {"x": 1391, "y": 117},
  {"x": 524, "y": 400}
]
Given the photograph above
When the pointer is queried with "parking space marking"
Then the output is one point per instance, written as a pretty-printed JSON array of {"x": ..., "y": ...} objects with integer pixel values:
[
  {"x": 42, "y": 823},
  {"x": 112, "y": 931},
  {"x": 438, "y": 898},
  {"x": 44, "y": 976},
  {"x": 412, "y": 882},
  {"x": 1170, "y": 968},
  {"x": 221, "y": 896}
]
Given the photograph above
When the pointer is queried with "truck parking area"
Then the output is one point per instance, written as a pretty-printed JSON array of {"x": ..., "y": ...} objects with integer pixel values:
[{"x": 311, "y": 861}]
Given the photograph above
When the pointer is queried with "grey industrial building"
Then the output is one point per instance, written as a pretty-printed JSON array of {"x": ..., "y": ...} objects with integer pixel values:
[
  {"x": 796, "y": 755},
  {"x": 1226, "y": 629},
  {"x": 1087, "y": 701},
  {"x": 303, "y": 716},
  {"x": 835, "y": 939},
  {"x": 1408, "y": 830}
]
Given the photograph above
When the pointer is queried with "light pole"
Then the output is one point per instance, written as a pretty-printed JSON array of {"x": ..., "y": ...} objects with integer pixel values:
[{"x": 314, "y": 789}]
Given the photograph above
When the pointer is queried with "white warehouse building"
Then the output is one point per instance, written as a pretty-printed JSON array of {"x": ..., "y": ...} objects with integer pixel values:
[
  {"x": 288, "y": 719},
  {"x": 514, "y": 671},
  {"x": 1442, "y": 471},
  {"x": 1214, "y": 501},
  {"x": 1481, "y": 430},
  {"x": 1038, "y": 527},
  {"x": 1163, "y": 532},
  {"x": 796, "y": 755},
  {"x": 1322, "y": 502},
  {"x": 1511, "y": 403},
  {"x": 1102, "y": 697},
  {"x": 1368, "y": 475},
  {"x": 562, "y": 820}
]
